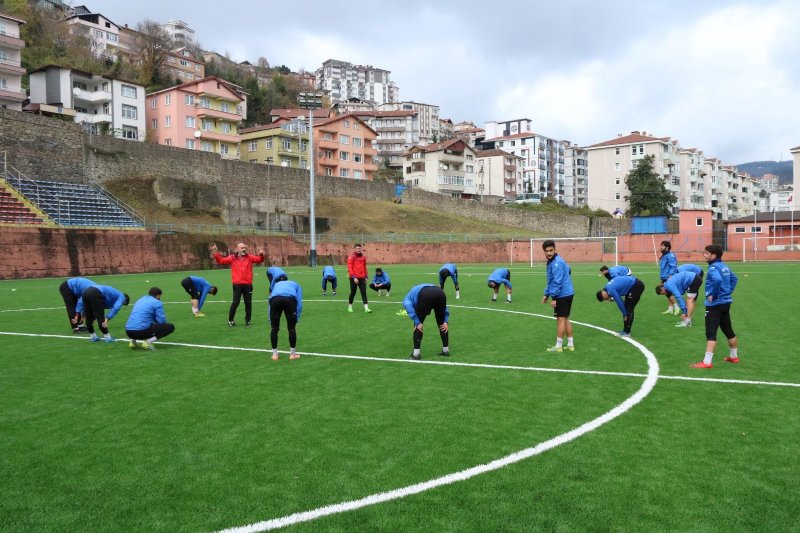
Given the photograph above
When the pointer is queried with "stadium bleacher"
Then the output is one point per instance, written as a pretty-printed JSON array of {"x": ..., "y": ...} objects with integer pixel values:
[{"x": 12, "y": 211}]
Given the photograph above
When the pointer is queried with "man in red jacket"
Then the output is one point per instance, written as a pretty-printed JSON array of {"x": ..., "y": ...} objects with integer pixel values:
[
  {"x": 357, "y": 272},
  {"x": 241, "y": 264}
]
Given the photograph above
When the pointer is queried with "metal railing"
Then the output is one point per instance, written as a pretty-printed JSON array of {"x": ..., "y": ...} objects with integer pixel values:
[
  {"x": 135, "y": 214},
  {"x": 217, "y": 229}
]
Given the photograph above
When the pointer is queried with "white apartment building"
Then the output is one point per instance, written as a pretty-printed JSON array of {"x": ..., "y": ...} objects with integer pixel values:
[
  {"x": 499, "y": 173},
  {"x": 781, "y": 199},
  {"x": 770, "y": 182},
  {"x": 428, "y": 118},
  {"x": 11, "y": 71},
  {"x": 542, "y": 160},
  {"x": 692, "y": 186},
  {"x": 505, "y": 128},
  {"x": 397, "y": 132},
  {"x": 342, "y": 80},
  {"x": 102, "y": 32},
  {"x": 180, "y": 32},
  {"x": 103, "y": 105},
  {"x": 445, "y": 168},
  {"x": 576, "y": 174}
]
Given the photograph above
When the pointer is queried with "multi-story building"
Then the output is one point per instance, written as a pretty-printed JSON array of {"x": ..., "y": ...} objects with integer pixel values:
[
  {"x": 343, "y": 148},
  {"x": 576, "y": 174},
  {"x": 469, "y": 135},
  {"x": 692, "y": 188},
  {"x": 283, "y": 143},
  {"x": 428, "y": 116},
  {"x": 780, "y": 199},
  {"x": 505, "y": 128},
  {"x": 103, "y": 105},
  {"x": 446, "y": 129},
  {"x": 770, "y": 182},
  {"x": 342, "y": 80},
  {"x": 11, "y": 71},
  {"x": 446, "y": 168},
  {"x": 199, "y": 115},
  {"x": 180, "y": 32},
  {"x": 102, "y": 33},
  {"x": 715, "y": 187},
  {"x": 397, "y": 132},
  {"x": 498, "y": 173},
  {"x": 542, "y": 158},
  {"x": 795, "y": 174},
  {"x": 182, "y": 65}
]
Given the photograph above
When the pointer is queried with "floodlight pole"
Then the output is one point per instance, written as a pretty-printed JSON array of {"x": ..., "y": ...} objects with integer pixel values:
[{"x": 309, "y": 101}]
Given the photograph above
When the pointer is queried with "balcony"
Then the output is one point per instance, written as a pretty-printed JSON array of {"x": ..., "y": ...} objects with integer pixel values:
[
  {"x": 11, "y": 66},
  {"x": 14, "y": 96},
  {"x": 214, "y": 136},
  {"x": 330, "y": 145},
  {"x": 91, "y": 96},
  {"x": 11, "y": 42},
  {"x": 87, "y": 118},
  {"x": 218, "y": 113}
]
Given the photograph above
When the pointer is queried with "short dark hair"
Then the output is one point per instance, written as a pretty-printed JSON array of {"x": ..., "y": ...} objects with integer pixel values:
[
  {"x": 127, "y": 299},
  {"x": 493, "y": 284},
  {"x": 379, "y": 270},
  {"x": 715, "y": 249},
  {"x": 658, "y": 290},
  {"x": 357, "y": 244},
  {"x": 604, "y": 268},
  {"x": 213, "y": 290},
  {"x": 667, "y": 244},
  {"x": 600, "y": 296},
  {"x": 155, "y": 292},
  {"x": 548, "y": 243}
]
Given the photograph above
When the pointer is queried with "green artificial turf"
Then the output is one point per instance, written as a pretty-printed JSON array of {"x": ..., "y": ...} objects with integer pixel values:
[{"x": 192, "y": 437}]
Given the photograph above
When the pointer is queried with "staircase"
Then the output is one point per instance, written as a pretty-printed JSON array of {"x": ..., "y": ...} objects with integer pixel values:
[{"x": 14, "y": 211}]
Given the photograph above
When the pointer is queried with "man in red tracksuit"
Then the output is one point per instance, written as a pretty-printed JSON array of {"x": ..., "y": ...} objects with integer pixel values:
[
  {"x": 241, "y": 264},
  {"x": 357, "y": 272}
]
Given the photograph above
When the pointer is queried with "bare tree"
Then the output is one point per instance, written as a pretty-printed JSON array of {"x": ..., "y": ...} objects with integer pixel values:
[
  {"x": 262, "y": 62},
  {"x": 151, "y": 45}
]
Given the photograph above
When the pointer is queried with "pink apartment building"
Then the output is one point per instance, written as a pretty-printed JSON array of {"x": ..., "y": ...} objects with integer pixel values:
[
  {"x": 199, "y": 115},
  {"x": 344, "y": 148}
]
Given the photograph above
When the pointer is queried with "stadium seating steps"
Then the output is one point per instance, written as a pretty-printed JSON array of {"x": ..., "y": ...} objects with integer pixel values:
[{"x": 12, "y": 211}]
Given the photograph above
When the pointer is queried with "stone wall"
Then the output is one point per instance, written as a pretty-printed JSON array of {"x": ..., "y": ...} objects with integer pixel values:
[{"x": 248, "y": 194}]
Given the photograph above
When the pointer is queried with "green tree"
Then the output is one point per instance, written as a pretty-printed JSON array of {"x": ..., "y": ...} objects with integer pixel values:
[{"x": 648, "y": 193}]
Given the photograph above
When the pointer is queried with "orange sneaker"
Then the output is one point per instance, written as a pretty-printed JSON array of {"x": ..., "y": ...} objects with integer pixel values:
[
  {"x": 702, "y": 364},
  {"x": 294, "y": 356},
  {"x": 275, "y": 357},
  {"x": 732, "y": 359}
]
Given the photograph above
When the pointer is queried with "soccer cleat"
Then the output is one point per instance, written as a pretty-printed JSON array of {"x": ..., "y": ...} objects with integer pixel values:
[
  {"x": 557, "y": 349},
  {"x": 198, "y": 315},
  {"x": 444, "y": 354},
  {"x": 350, "y": 309},
  {"x": 148, "y": 346},
  {"x": 402, "y": 312},
  {"x": 731, "y": 359},
  {"x": 247, "y": 323},
  {"x": 683, "y": 324},
  {"x": 94, "y": 338},
  {"x": 133, "y": 344},
  {"x": 388, "y": 294},
  {"x": 367, "y": 310},
  {"x": 414, "y": 357},
  {"x": 231, "y": 323},
  {"x": 668, "y": 312},
  {"x": 324, "y": 293},
  {"x": 569, "y": 348},
  {"x": 334, "y": 293},
  {"x": 623, "y": 334},
  {"x": 294, "y": 356},
  {"x": 493, "y": 300},
  {"x": 508, "y": 301},
  {"x": 275, "y": 357},
  {"x": 702, "y": 364},
  {"x": 678, "y": 311},
  {"x": 109, "y": 339},
  {"x": 380, "y": 292},
  {"x": 458, "y": 296}
]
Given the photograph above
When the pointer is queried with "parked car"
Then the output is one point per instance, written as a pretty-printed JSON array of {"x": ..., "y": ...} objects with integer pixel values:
[
  {"x": 507, "y": 200},
  {"x": 528, "y": 198}
]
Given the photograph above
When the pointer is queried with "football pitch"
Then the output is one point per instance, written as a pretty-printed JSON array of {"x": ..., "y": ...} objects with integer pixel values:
[{"x": 208, "y": 433}]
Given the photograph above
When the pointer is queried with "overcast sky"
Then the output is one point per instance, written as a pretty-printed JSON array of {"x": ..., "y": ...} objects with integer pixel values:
[{"x": 723, "y": 77}]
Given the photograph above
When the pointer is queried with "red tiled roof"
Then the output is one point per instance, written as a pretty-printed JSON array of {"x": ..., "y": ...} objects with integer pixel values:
[
  {"x": 525, "y": 134},
  {"x": 494, "y": 152},
  {"x": 633, "y": 137},
  {"x": 380, "y": 114},
  {"x": 226, "y": 83},
  {"x": 336, "y": 118}
]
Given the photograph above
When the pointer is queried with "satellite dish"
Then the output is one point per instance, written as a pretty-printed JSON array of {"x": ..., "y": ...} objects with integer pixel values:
[{"x": 197, "y": 134}]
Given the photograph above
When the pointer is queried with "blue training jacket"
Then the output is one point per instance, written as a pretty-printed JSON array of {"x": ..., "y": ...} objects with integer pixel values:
[
  {"x": 328, "y": 271},
  {"x": 147, "y": 310},
  {"x": 619, "y": 270},
  {"x": 688, "y": 267},
  {"x": 290, "y": 289},
  {"x": 559, "y": 280},
  {"x": 668, "y": 265},
  {"x": 274, "y": 276},
  {"x": 500, "y": 276},
  {"x": 112, "y": 299},
  {"x": 383, "y": 278},
  {"x": 451, "y": 269},
  {"x": 618, "y": 288},
  {"x": 720, "y": 283},
  {"x": 678, "y": 284},
  {"x": 410, "y": 304},
  {"x": 202, "y": 286},
  {"x": 77, "y": 286}
]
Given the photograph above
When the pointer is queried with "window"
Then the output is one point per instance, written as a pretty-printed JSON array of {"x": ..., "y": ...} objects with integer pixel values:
[
  {"x": 329, "y": 171},
  {"x": 616, "y": 196},
  {"x": 188, "y": 99},
  {"x": 4, "y": 85},
  {"x": 327, "y": 136},
  {"x": 344, "y": 173},
  {"x": 755, "y": 229},
  {"x": 167, "y": 121},
  {"x": 616, "y": 181},
  {"x": 205, "y": 103},
  {"x": 739, "y": 229},
  {"x": 253, "y": 146},
  {"x": 223, "y": 149},
  {"x": 206, "y": 146},
  {"x": 224, "y": 107},
  {"x": 206, "y": 124},
  {"x": 197, "y": 67},
  {"x": 269, "y": 144},
  {"x": 616, "y": 151},
  {"x": 358, "y": 158},
  {"x": 303, "y": 145},
  {"x": 130, "y": 132},
  {"x": 226, "y": 128},
  {"x": 346, "y": 123},
  {"x": 344, "y": 139},
  {"x": 78, "y": 85},
  {"x": 469, "y": 168},
  {"x": 153, "y": 102},
  {"x": 129, "y": 111},
  {"x": 167, "y": 99},
  {"x": 189, "y": 121},
  {"x": 3, "y": 29},
  {"x": 154, "y": 123},
  {"x": 190, "y": 144},
  {"x": 344, "y": 156},
  {"x": 129, "y": 91},
  {"x": 357, "y": 141},
  {"x": 357, "y": 174},
  {"x": 167, "y": 142},
  {"x": 287, "y": 144},
  {"x": 184, "y": 63},
  {"x": 303, "y": 163},
  {"x": 698, "y": 222},
  {"x": 286, "y": 162},
  {"x": 356, "y": 126},
  {"x": 617, "y": 166}
]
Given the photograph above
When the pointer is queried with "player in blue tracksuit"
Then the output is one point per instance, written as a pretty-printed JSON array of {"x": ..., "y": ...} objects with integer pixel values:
[
  {"x": 418, "y": 304},
  {"x": 328, "y": 275},
  {"x": 449, "y": 270},
  {"x": 685, "y": 281},
  {"x": 626, "y": 292},
  {"x": 668, "y": 266},
  {"x": 501, "y": 276},
  {"x": 720, "y": 284},
  {"x": 274, "y": 275},
  {"x": 560, "y": 292},
  {"x": 381, "y": 282},
  {"x": 96, "y": 300},
  {"x": 197, "y": 288},
  {"x": 72, "y": 292},
  {"x": 613, "y": 272},
  {"x": 286, "y": 299},
  {"x": 148, "y": 321}
]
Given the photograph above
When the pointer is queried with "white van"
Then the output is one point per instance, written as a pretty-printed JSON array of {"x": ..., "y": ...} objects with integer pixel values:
[{"x": 528, "y": 198}]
